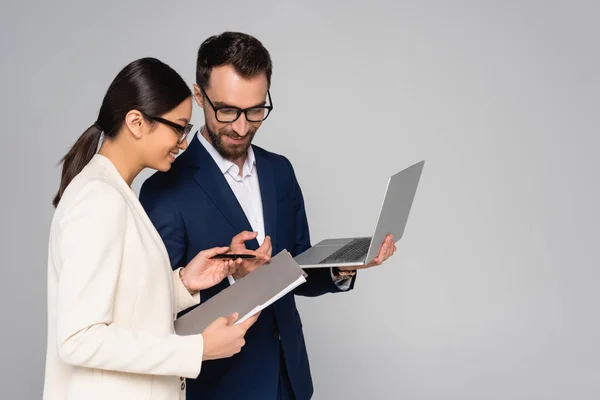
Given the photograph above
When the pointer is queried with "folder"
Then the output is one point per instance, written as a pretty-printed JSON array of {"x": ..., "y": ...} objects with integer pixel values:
[{"x": 247, "y": 296}]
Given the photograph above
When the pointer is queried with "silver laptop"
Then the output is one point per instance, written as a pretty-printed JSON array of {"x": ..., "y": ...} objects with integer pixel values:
[{"x": 392, "y": 219}]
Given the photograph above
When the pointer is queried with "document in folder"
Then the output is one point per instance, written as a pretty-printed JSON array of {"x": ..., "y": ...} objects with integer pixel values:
[{"x": 247, "y": 296}]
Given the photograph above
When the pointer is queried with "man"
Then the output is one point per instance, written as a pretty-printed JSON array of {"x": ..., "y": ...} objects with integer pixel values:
[{"x": 221, "y": 187}]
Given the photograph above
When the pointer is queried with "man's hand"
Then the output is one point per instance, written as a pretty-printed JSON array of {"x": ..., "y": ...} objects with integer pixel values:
[
  {"x": 262, "y": 254},
  {"x": 387, "y": 249}
]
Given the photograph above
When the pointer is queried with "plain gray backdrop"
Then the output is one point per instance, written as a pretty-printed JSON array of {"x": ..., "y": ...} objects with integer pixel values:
[{"x": 493, "y": 292}]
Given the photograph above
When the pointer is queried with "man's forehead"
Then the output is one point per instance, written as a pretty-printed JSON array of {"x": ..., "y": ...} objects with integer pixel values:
[{"x": 227, "y": 86}]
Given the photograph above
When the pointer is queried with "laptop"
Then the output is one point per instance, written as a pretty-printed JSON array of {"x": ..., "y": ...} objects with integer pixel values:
[{"x": 393, "y": 215}]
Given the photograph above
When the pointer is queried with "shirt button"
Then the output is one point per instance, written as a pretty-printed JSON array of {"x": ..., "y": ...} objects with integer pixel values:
[
  {"x": 277, "y": 335},
  {"x": 181, "y": 378},
  {"x": 182, "y": 385}
]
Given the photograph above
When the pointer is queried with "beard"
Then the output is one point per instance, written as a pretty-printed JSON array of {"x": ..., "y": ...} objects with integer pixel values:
[{"x": 230, "y": 152}]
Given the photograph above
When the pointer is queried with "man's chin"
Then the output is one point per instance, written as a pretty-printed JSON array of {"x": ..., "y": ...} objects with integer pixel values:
[
  {"x": 228, "y": 148},
  {"x": 235, "y": 152}
]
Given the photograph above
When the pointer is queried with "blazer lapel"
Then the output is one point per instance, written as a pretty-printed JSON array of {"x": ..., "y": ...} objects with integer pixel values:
[
  {"x": 136, "y": 206},
  {"x": 213, "y": 183},
  {"x": 268, "y": 194}
]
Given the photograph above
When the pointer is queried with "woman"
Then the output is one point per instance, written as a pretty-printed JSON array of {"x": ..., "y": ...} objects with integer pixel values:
[{"x": 112, "y": 295}]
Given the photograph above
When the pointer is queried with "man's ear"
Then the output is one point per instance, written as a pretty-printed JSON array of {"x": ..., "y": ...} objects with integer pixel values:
[
  {"x": 198, "y": 96},
  {"x": 136, "y": 123}
]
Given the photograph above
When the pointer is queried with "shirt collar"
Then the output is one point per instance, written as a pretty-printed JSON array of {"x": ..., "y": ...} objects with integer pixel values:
[{"x": 226, "y": 165}]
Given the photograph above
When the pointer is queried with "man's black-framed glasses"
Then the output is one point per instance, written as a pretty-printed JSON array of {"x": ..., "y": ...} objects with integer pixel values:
[
  {"x": 182, "y": 131},
  {"x": 228, "y": 114}
]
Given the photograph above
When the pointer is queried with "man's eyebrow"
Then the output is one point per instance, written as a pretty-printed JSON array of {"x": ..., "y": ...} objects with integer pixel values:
[
  {"x": 222, "y": 104},
  {"x": 185, "y": 121}
]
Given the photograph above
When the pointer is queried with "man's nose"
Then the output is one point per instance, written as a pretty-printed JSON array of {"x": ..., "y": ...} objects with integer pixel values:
[{"x": 241, "y": 126}]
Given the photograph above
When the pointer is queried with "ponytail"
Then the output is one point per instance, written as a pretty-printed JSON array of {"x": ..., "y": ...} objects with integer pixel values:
[{"x": 77, "y": 158}]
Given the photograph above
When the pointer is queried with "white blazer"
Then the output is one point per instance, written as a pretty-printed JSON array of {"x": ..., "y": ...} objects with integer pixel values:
[{"x": 112, "y": 298}]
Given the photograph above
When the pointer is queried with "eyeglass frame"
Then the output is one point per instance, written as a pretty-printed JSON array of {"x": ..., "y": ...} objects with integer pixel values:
[
  {"x": 240, "y": 111},
  {"x": 184, "y": 131}
]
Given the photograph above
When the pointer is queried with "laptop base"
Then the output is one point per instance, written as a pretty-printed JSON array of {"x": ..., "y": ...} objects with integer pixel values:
[{"x": 313, "y": 257}]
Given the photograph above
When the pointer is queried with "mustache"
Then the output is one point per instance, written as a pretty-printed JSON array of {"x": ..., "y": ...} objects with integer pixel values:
[{"x": 231, "y": 134}]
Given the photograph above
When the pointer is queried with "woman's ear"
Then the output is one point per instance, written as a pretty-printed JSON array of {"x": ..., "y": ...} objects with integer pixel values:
[{"x": 136, "y": 123}]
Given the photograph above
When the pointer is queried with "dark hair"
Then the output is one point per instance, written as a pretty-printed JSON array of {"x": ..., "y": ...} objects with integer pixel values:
[
  {"x": 147, "y": 85},
  {"x": 245, "y": 53}
]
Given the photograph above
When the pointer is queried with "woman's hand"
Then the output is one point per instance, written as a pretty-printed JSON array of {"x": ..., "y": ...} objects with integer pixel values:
[
  {"x": 223, "y": 339},
  {"x": 203, "y": 272}
]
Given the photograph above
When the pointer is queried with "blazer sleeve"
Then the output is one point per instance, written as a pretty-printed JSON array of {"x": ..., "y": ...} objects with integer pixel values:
[
  {"x": 319, "y": 280},
  {"x": 181, "y": 296},
  {"x": 91, "y": 241}
]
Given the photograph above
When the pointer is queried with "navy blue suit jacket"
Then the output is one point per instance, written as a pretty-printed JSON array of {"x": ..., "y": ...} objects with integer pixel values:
[{"x": 193, "y": 209}]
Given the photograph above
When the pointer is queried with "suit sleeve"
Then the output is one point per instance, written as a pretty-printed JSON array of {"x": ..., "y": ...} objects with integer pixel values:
[
  {"x": 319, "y": 280},
  {"x": 167, "y": 220},
  {"x": 91, "y": 243}
]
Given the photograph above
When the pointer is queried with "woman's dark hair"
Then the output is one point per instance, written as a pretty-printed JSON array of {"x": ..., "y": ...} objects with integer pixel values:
[
  {"x": 243, "y": 52},
  {"x": 147, "y": 85}
]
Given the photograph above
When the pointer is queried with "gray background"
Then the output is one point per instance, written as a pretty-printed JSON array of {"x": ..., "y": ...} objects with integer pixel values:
[{"x": 493, "y": 291}]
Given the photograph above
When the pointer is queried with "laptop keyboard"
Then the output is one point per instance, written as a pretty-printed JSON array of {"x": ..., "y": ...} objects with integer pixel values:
[{"x": 354, "y": 251}]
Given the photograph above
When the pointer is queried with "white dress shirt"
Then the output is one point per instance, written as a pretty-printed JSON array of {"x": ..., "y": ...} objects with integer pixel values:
[
  {"x": 244, "y": 185},
  {"x": 247, "y": 191}
]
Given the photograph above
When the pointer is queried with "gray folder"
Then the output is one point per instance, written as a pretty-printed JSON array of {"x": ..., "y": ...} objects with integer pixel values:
[{"x": 246, "y": 296}]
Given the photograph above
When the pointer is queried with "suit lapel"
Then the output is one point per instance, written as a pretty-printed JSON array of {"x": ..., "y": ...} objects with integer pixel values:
[
  {"x": 268, "y": 194},
  {"x": 213, "y": 183}
]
